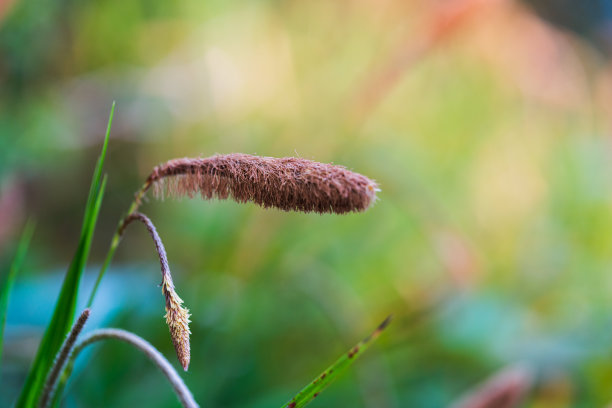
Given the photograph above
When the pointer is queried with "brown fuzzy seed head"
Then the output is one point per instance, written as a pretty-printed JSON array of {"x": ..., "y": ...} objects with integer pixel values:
[
  {"x": 290, "y": 184},
  {"x": 177, "y": 318}
]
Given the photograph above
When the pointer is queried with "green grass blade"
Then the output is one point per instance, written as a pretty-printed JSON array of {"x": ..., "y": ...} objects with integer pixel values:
[
  {"x": 63, "y": 314},
  {"x": 312, "y": 390},
  {"x": 97, "y": 176},
  {"x": 7, "y": 283}
]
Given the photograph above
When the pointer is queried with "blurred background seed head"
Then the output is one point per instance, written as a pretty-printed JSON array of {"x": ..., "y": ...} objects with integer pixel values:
[{"x": 486, "y": 124}]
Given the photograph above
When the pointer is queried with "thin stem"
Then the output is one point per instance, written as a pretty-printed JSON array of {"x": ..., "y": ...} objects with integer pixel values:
[
  {"x": 60, "y": 359},
  {"x": 177, "y": 317},
  {"x": 159, "y": 246},
  {"x": 181, "y": 390},
  {"x": 117, "y": 238}
]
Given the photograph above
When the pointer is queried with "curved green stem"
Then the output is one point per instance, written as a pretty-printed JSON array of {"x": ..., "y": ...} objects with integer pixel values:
[{"x": 178, "y": 385}]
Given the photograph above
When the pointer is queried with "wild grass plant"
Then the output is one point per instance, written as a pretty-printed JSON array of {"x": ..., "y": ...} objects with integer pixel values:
[
  {"x": 487, "y": 129},
  {"x": 288, "y": 184}
]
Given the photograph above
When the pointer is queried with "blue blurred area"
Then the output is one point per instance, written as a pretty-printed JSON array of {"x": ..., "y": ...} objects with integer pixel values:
[{"x": 589, "y": 19}]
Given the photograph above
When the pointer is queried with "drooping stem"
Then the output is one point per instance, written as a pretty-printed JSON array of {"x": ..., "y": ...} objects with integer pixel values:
[
  {"x": 177, "y": 317},
  {"x": 159, "y": 246},
  {"x": 181, "y": 390},
  {"x": 117, "y": 238},
  {"x": 60, "y": 359}
]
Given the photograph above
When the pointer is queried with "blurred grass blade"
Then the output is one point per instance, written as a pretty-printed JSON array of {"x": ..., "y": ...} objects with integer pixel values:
[
  {"x": 7, "y": 283},
  {"x": 63, "y": 315},
  {"x": 313, "y": 389},
  {"x": 507, "y": 388}
]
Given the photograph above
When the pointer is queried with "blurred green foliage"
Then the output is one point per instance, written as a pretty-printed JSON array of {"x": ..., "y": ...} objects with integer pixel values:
[{"x": 490, "y": 242}]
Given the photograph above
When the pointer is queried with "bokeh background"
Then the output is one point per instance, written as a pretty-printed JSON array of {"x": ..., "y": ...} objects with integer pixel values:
[{"x": 485, "y": 122}]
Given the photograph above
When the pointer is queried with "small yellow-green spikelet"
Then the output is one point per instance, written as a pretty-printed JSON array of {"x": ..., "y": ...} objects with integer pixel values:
[{"x": 177, "y": 318}]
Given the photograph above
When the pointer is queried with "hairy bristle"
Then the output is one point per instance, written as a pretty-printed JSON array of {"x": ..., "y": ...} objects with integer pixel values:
[{"x": 290, "y": 184}]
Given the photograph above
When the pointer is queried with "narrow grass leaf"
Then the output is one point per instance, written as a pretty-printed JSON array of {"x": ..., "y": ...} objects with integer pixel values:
[
  {"x": 312, "y": 390},
  {"x": 8, "y": 282},
  {"x": 64, "y": 311}
]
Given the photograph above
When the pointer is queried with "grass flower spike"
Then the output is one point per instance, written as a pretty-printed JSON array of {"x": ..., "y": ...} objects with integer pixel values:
[
  {"x": 289, "y": 184},
  {"x": 177, "y": 317}
]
